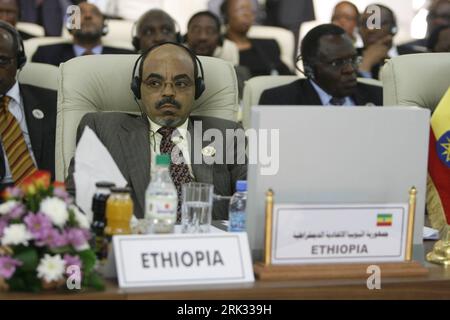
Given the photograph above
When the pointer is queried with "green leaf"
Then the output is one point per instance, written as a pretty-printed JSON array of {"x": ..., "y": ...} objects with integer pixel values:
[
  {"x": 94, "y": 280},
  {"x": 29, "y": 258},
  {"x": 88, "y": 259},
  {"x": 62, "y": 250}
]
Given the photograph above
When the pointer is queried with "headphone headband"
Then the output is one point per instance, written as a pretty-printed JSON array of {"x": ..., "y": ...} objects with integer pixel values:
[{"x": 138, "y": 65}]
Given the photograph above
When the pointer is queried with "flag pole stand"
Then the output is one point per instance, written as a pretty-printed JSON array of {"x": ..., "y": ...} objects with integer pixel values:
[
  {"x": 441, "y": 251},
  {"x": 266, "y": 271}
]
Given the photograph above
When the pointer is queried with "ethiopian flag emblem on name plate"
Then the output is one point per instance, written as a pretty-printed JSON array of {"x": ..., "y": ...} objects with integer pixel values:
[{"x": 384, "y": 220}]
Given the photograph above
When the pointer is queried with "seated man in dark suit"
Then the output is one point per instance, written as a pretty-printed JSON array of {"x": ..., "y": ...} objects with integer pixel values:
[
  {"x": 9, "y": 12},
  {"x": 27, "y": 116},
  {"x": 154, "y": 27},
  {"x": 331, "y": 64},
  {"x": 167, "y": 82},
  {"x": 204, "y": 36},
  {"x": 86, "y": 40},
  {"x": 260, "y": 56},
  {"x": 438, "y": 16},
  {"x": 378, "y": 41}
]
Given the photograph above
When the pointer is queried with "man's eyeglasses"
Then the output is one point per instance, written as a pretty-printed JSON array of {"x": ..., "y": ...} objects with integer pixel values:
[
  {"x": 340, "y": 63},
  {"x": 5, "y": 61}
]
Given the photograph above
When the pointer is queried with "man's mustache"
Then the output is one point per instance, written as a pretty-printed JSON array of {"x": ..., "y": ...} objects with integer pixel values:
[{"x": 167, "y": 100}]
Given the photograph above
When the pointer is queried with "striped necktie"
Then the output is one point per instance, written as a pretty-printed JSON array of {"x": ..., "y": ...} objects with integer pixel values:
[
  {"x": 178, "y": 171},
  {"x": 19, "y": 158}
]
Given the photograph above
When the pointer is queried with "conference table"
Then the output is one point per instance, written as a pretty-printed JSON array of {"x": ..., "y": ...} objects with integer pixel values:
[{"x": 435, "y": 285}]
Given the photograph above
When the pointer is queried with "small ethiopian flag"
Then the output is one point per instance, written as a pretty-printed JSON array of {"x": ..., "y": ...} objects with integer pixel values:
[{"x": 384, "y": 220}]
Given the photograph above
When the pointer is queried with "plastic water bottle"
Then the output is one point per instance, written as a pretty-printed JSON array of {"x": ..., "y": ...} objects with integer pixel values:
[
  {"x": 238, "y": 205},
  {"x": 161, "y": 198}
]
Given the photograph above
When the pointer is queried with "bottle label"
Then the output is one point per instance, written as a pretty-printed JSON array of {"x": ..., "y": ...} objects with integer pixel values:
[
  {"x": 237, "y": 221},
  {"x": 162, "y": 208}
]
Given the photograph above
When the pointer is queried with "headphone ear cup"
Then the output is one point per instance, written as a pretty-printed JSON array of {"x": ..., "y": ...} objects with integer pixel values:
[
  {"x": 309, "y": 73},
  {"x": 179, "y": 38},
  {"x": 136, "y": 43},
  {"x": 136, "y": 87},
  {"x": 21, "y": 60},
  {"x": 199, "y": 87}
]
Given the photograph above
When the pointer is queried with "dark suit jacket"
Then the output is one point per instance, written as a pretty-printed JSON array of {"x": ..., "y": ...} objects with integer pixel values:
[
  {"x": 301, "y": 92},
  {"x": 263, "y": 57},
  {"x": 41, "y": 131},
  {"x": 62, "y": 52},
  {"x": 127, "y": 139}
]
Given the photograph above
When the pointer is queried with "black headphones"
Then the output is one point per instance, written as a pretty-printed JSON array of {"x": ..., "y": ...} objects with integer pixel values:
[
  {"x": 136, "y": 40},
  {"x": 20, "y": 56},
  {"x": 136, "y": 79}
]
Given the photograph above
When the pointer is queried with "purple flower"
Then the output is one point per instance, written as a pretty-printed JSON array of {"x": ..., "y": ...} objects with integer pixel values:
[
  {"x": 53, "y": 238},
  {"x": 72, "y": 260},
  {"x": 8, "y": 266},
  {"x": 14, "y": 192},
  {"x": 78, "y": 237},
  {"x": 62, "y": 194},
  {"x": 38, "y": 224},
  {"x": 17, "y": 211}
]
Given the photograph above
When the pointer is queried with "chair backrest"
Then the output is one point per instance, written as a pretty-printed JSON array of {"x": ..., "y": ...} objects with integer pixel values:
[
  {"x": 284, "y": 38},
  {"x": 39, "y": 75},
  {"x": 416, "y": 79},
  {"x": 32, "y": 44},
  {"x": 31, "y": 28},
  {"x": 102, "y": 83},
  {"x": 228, "y": 51},
  {"x": 255, "y": 86}
]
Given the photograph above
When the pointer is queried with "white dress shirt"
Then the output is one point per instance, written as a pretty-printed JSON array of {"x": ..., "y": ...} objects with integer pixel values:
[
  {"x": 180, "y": 141},
  {"x": 325, "y": 98},
  {"x": 16, "y": 108}
]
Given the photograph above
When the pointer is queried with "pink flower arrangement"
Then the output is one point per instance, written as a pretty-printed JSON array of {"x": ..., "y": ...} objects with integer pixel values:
[{"x": 42, "y": 233}]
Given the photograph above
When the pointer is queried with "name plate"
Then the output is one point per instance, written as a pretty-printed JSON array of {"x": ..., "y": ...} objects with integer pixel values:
[
  {"x": 181, "y": 259},
  {"x": 314, "y": 234}
]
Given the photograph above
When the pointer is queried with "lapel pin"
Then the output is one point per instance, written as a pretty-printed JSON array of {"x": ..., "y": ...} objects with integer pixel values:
[
  {"x": 209, "y": 151},
  {"x": 38, "y": 114}
]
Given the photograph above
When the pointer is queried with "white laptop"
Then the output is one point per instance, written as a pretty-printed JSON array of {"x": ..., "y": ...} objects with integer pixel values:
[{"x": 339, "y": 155}]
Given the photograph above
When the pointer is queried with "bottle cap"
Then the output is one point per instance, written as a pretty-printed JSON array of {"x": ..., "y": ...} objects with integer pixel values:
[
  {"x": 241, "y": 185},
  {"x": 105, "y": 184},
  {"x": 163, "y": 160},
  {"x": 120, "y": 190}
]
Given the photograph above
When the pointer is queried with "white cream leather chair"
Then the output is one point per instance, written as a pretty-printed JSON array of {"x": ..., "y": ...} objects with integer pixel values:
[
  {"x": 255, "y": 86},
  {"x": 284, "y": 38},
  {"x": 228, "y": 51},
  {"x": 32, "y": 44},
  {"x": 31, "y": 28},
  {"x": 40, "y": 75},
  {"x": 416, "y": 79},
  {"x": 102, "y": 83}
]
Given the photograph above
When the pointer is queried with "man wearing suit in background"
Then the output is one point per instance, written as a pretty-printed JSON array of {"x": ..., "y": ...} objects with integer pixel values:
[
  {"x": 86, "y": 40},
  {"x": 167, "y": 82},
  {"x": 10, "y": 12},
  {"x": 27, "y": 117},
  {"x": 330, "y": 65},
  {"x": 154, "y": 27},
  {"x": 378, "y": 42}
]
